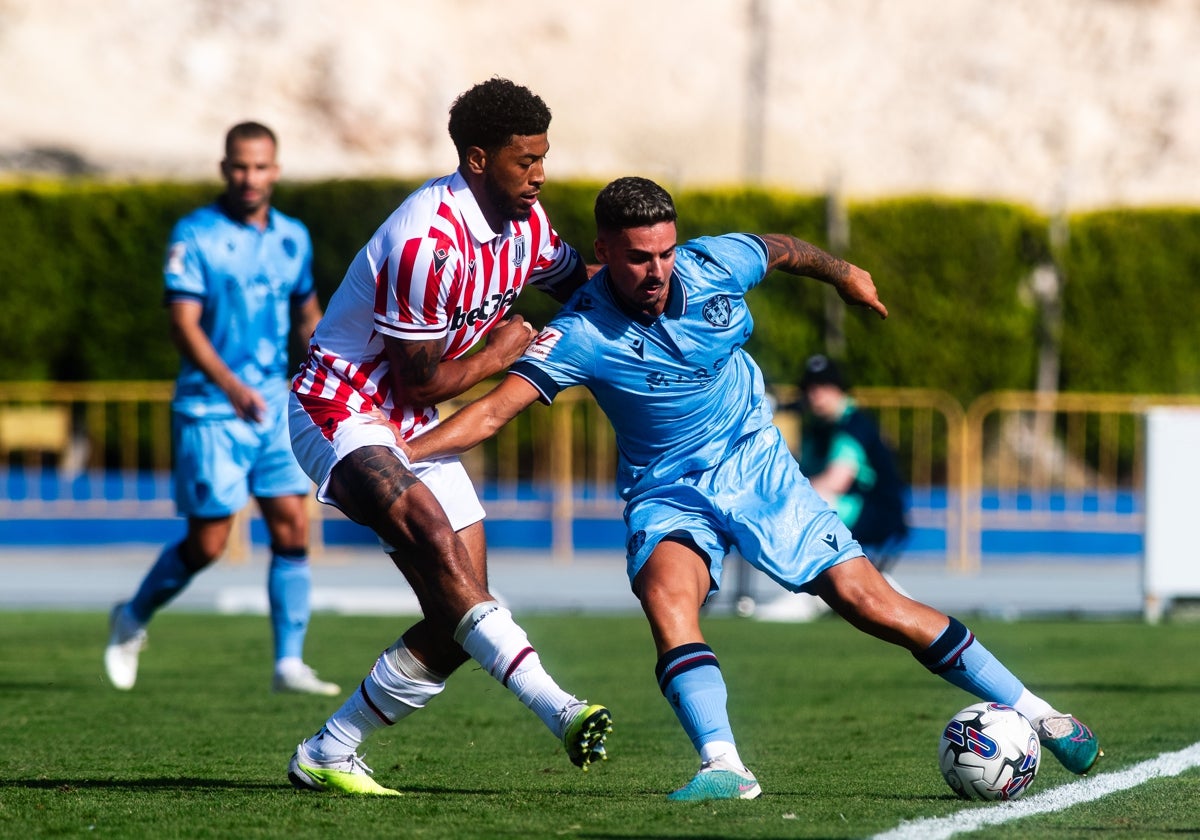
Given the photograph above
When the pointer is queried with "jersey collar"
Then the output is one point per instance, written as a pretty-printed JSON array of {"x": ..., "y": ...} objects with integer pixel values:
[
  {"x": 676, "y": 299},
  {"x": 469, "y": 207},
  {"x": 224, "y": 210}
]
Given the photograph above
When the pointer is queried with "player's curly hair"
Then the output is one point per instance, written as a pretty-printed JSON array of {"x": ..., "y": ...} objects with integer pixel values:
[
  {"x": 632, "y": 202},
  {"x": 490, "y": 114}
]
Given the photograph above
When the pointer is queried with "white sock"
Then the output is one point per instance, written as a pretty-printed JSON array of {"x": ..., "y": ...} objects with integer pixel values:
[
  {"x": 288, "y": 664},
  {"x": 490, "y": 636},
  {"x": 397, "y": 686},
  {"x": 1032, "y": 706},
  {"x": 723, "y": 750}
]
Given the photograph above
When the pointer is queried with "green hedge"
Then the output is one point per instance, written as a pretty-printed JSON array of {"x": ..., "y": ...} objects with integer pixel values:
[
  {"x": 1131, "y": 302},
  {"x": 81, "y": 285},
  {"x": 950, "y": 274}
]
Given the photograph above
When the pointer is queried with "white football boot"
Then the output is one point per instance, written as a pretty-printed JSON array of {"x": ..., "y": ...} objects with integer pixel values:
[{"x": 126, "y": 638}]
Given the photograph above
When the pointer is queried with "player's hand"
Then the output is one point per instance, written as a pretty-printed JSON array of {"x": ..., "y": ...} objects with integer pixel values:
[
  {"x": 858, "y": 289},
  {"x": 510, "y": 338},
  {"x": 378, "y": 418},
  {"x": 248, "y": 404}
]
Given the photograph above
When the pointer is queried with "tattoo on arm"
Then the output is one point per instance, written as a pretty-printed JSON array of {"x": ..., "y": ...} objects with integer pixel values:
[
  {"x": 795, "y": 256},
  {"x": 417, "y": 363}
]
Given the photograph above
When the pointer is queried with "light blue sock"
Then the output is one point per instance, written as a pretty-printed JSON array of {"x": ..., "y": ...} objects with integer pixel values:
[
  {"x": 289, "y": 587},
  {"x": 690, "y": 679},
  {"x": 166, "y": 579},
  {"x": 960, "y": 659}
]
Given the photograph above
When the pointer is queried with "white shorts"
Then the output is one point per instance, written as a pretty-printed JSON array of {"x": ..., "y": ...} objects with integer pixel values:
[{"x": 446, "y": 478}]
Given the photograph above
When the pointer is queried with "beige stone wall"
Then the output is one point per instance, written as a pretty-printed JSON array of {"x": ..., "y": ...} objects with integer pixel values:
[{"x": 1077, "y": 102}]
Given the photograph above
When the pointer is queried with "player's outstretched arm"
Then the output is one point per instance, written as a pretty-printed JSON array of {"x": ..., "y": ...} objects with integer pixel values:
[
  {"x": 475, "y": 422},
  {"x": 422, "y": 377},
  {"x": 795, "y": 256}
]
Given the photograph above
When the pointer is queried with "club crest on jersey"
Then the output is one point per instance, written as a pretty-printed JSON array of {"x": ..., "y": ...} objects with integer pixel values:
[
  {"x": 518, "y": 249},
  {"x": 543, "y": 344},
  {"x": 717, "y": 311}
]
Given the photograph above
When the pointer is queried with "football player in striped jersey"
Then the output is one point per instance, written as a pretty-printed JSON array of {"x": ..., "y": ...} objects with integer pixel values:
[{"x": 436, "y": 279}]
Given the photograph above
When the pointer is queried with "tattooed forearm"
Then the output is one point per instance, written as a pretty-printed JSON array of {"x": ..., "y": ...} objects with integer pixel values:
[{"x": 795, "y": 256}]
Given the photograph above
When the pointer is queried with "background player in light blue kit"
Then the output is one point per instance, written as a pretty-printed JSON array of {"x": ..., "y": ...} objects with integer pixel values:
[
  {"x": 657, "y": 337},
  {"x": 238, "y": 278}
]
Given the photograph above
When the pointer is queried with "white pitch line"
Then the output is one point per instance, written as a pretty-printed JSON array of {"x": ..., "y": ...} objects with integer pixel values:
[{"x": 1057, "y": 799}]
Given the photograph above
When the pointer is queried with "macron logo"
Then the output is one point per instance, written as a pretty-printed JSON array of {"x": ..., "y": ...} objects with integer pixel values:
[{"x": 830, "y": 540}]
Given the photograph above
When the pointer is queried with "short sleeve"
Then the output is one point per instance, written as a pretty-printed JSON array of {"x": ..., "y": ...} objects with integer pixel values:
[
  {"x": 418, "y": 276},
  {"x": 561, "y": 356},
  {"x": 183, "y": 272},
  {"x": 742, "y": 256}
]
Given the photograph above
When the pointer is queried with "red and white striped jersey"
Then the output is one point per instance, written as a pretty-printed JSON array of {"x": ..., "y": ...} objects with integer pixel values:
[{"x": 434, "y": 269}]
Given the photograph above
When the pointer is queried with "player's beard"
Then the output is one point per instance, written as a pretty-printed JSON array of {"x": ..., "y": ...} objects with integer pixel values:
[
  {"x": 242, "y": 206},
  {"x": 503, "y": 203}
]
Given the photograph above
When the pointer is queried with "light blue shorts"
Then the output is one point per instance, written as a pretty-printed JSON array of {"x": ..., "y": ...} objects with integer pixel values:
[
  {"x": 221, "y": 462},
  {"x": 756, "y": 501}
]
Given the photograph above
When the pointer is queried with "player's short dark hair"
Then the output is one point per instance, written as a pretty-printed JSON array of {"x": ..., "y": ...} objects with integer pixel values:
[
  {"x": 490, "y": 114},
  {"x": 632, "y": 202},
  {"x": 248, "y": 131}
]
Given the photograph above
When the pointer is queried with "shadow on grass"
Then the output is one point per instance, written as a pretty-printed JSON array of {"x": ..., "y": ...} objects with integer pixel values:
[
  {"x": 176, "y": 784},
  {"x": 1118, "y": 688},
  {"x": 171, "y": 784}
]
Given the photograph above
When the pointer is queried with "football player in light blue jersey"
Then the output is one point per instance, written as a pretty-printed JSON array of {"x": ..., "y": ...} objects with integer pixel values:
[
  {"x": 657, "y": 337},
  {"x": 238, "y": 280}
]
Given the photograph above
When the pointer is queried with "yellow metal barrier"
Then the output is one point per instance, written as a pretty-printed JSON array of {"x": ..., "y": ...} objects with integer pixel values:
[
  {"x": 927, "y": 429},
  {"x": 98, "y": 434},
  {"x": 1041, "y": 461},
  {"x": 105, "y": 448},
  {"x": 1054, "y": 460},
  {"x": 552, "y": 463}
]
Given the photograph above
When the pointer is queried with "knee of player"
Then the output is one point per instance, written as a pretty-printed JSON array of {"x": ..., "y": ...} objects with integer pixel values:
[
  {"x": 863, "y": 592},
  {"x": 200, "y": 553},
  {"x": 290, "y": 534}
]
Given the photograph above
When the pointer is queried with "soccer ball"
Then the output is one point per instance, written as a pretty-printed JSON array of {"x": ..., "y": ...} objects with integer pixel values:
[{"x": 989, "y": 751}]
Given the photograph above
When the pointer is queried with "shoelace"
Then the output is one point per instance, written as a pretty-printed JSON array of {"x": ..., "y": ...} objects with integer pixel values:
[
  {"x": 1056, "y": 726},
  {"x": 355, "y": 761}
]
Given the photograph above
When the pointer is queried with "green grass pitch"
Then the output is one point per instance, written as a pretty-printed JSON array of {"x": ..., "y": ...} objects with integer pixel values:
[{"x": 841, "y": 730}]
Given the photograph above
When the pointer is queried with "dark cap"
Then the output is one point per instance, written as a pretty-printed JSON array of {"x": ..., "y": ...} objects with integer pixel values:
[{"x": 822, "y": 370}]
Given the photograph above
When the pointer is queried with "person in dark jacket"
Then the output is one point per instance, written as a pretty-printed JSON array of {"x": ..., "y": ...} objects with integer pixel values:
[{"x": 849, "y": 463}]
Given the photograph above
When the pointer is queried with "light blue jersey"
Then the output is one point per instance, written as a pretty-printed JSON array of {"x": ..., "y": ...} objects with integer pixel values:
[
  {"x": 679, "y": 389},
  {"x": 249, "y": 282},
  {"x": 700, "y": 459}
]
